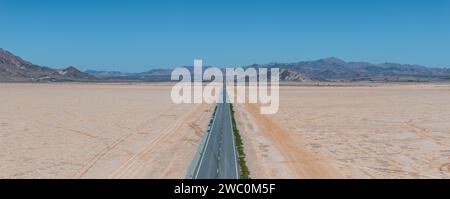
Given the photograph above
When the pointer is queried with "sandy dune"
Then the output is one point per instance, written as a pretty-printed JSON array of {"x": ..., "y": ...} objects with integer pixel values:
[
  {"x": 386, "y": 131},
  {"x": 96, "y": 131}
]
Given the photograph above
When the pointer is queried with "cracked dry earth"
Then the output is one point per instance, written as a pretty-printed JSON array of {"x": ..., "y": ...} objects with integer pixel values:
[
  {"x": 96, "y": 131},
  {"x": 366, "y": 131}
]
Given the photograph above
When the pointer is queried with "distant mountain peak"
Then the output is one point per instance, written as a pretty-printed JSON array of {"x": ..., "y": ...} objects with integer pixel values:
[
  {"x": 333, "y": 60},
  {"x": 73, "y": 72},
  {"x": 72, "y": 69}
]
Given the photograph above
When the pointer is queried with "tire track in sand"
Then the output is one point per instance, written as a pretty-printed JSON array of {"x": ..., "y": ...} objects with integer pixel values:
[{"x": 134, "y": 164}]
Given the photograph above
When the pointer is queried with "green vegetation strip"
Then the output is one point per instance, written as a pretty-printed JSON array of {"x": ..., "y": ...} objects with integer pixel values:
[{"x": 244, "y": 172}]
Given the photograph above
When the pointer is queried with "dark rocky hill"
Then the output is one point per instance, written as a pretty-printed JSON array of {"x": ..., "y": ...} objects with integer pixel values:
[{"x": 15, "y": 69}]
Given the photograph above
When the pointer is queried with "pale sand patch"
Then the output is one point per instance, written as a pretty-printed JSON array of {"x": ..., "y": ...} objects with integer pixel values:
[
  {"x": 386, "y": 131},
  {"x": 96, "y": 131}
]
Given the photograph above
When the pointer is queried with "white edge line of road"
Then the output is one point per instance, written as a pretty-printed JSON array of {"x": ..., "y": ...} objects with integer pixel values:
[
  {"x": 206, "y": 145},
  {"x": 234, "y": 144}
]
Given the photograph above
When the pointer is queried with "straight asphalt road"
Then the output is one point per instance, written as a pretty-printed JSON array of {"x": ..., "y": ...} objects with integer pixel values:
[{"x": 218, "y": 158}]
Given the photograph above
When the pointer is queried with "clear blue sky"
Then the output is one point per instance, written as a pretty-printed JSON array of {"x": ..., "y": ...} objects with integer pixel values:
[{"x": 138, "y": 35}]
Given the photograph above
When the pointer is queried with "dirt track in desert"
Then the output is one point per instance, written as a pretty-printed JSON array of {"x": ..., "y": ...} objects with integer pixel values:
[
  {"x": 96, "y": 131},
  {"x": 347, "y": 131}
]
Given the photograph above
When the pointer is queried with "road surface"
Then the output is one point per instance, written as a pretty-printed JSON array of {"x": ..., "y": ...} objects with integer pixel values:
[{"x": 218, "y": 158}]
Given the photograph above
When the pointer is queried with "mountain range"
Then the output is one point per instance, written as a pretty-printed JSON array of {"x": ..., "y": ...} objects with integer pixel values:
[
  {"x": 323, "y": 70},
  {"x": 337, "y": 70},
  {"x": 15, "y": 69}
]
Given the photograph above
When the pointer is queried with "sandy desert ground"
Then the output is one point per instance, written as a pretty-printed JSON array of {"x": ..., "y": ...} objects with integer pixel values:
[
  {"x": 135, "y": 131},
  {"x": 96, "y": 131},
  {"x": 377, "y": 131}
]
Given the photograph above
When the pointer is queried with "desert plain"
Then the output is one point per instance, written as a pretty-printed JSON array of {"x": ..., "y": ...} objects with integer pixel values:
[
  {"x": 93, "y": 130},
  {"x": 96, "y": 131},
  {"x": 351, "y": 131}
]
